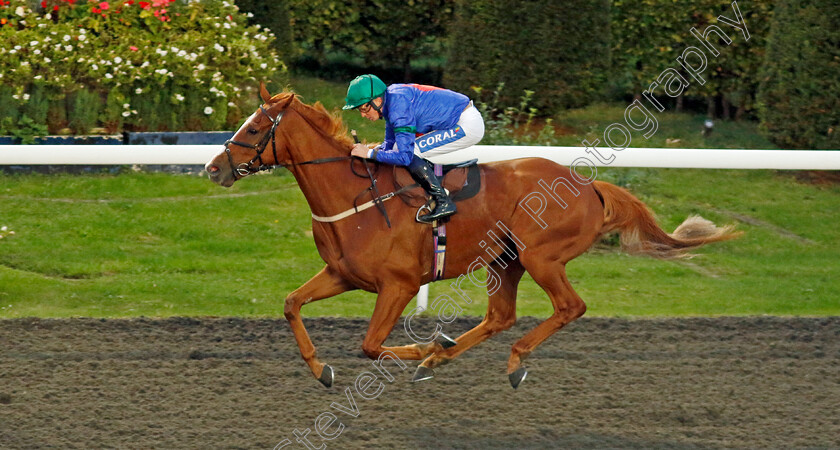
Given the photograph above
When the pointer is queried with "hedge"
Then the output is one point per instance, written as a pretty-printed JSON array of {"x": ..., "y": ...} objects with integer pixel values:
[
  {"x": 647, "y": 37},
  {"x": 129, "y": 65},
  {"x": 799, "y": 96},
  {"x": 383, "y": 34},
  {"x": 276, "y": 17},
  {"x": 559, "y": 50}
]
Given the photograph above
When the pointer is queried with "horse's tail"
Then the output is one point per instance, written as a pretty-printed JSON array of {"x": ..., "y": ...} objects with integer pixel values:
[{"x": 641, "y": 235}]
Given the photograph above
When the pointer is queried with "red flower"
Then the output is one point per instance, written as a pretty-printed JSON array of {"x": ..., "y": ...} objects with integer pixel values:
[
  {"x": 104, "y": 6},
  {"x": 44, "y": 4},
  {"x": 95, "y": 10},
  {"x": 144, "y": 5},
  {"x": 55, "y": 8},
  {"x": 133, "y": 48}
]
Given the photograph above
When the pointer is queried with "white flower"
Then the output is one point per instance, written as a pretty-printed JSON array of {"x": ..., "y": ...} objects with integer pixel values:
[
  {"x": 94, "y": 67},
  {"x": 126, "y": 113},
  {"x": 82, "y": 37},
  {"x": 145, "y": 64},
  {"x": 20, "y": 11},
  {"x": 33, "y": 43},
  {"x": 37, "y": 52},
  {"x": 218, "y": 47},
  {"x": 227, "y": 26},
  {"x": 47, "y": 60},
  {"x": 263, "y": 66},
  {"x": 126, "y": 106},
  {"x": 108, "y": 76},
  {"x": 68, "y": 48},
  {"x": 138, "y": 91},
  {"x": 200, "y": 67},
  {"x": 117, "y": 60},
  {"x": 26, "y": 97},
  {"x": 179, "y": 97},
  {"x": 208, "y": 110},
  {"x": 38, "y": 77},
  {"x": 182, "y": 53},
  {"x": 4, "y": 228},
  {"x": 66, "y": 37}
]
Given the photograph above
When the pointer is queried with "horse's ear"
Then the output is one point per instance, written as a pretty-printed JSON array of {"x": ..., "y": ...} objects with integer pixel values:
[
  {"x": 264, "y": 92},
  {"x": 285, "y": 102}
]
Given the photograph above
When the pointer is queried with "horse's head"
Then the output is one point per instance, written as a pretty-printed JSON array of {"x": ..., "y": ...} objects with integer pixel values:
[{"x": 255, "y": 145}]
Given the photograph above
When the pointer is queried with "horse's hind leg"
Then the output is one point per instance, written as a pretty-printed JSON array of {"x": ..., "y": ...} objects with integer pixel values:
[
  {"x": 568, "y": 306},
  {"x": 501, "y": 315}
]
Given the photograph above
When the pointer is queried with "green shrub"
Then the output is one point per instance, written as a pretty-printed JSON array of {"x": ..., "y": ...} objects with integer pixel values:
[
  {"x": 799, "y": 97},
  {"x": 83, "y": 107},
  {"x": 275, "y": 16},
  {"x": 164, "y": 48},
  {"x": 647, "y": 37},
  {"x": 558, "y": 49},
  {"x": 384, "y": 35}
]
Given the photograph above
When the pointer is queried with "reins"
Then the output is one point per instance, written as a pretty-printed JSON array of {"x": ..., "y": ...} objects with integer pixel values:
[{"x": 246, "y": 168}]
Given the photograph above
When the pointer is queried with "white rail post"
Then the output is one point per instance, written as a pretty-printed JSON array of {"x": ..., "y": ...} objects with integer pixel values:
[{"x": 423, "y": 297}]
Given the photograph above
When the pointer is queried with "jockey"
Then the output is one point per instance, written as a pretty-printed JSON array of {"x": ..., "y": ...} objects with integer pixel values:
[{"x": 420, "y": 122}]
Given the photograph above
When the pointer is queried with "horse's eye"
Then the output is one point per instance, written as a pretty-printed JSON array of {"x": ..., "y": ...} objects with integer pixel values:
[{"x": 252, "y": 131}]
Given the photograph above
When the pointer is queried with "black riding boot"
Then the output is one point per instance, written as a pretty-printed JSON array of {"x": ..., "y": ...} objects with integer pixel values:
[{"x": 423, "y": 173}]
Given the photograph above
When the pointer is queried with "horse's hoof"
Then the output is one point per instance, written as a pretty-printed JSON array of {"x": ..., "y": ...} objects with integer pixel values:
[
  {"x": 327, "y": 376},
  {"x": 446, "y": 341},
  {"x": 518, "y": 376},
  {"x": 423, "y": 373}
]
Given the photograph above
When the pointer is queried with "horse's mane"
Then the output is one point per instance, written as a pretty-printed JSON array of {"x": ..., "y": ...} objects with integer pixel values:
[{"x": 330, "y": 124}]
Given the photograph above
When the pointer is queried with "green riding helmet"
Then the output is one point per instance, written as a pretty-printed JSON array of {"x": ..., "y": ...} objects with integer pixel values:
[{"x": 363, "y": 89}]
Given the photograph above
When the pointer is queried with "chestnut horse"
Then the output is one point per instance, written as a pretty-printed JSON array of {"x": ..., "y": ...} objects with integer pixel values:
[{"x": 361, "y": 251}]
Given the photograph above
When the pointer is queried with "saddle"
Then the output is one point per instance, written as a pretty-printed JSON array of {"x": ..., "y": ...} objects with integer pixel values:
[{"x": 462, "y": 181}]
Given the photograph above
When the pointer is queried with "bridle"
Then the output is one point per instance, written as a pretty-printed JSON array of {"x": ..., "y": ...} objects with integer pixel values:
[{"x": 247, "y": 168}]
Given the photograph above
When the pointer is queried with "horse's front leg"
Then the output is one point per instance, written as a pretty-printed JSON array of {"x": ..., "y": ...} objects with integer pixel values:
[
  {"x": 325, "y": 284},
  {"x": 390, "y": 303}
]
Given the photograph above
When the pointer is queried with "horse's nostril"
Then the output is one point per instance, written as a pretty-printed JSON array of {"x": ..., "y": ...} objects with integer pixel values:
[{"x": 212, "y": 169}]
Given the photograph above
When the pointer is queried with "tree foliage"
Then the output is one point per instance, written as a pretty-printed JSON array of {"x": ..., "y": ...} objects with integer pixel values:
[
  {"x": 560, "y": 50},
  {"x": 799, "y": 95}
]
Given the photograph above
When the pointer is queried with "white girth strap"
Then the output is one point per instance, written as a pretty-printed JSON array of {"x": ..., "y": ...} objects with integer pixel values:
[{"x": 352, "y": 211}]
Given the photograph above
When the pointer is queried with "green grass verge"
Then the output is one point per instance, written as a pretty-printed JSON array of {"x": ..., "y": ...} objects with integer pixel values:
[{"x": 162, "y": 245}]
